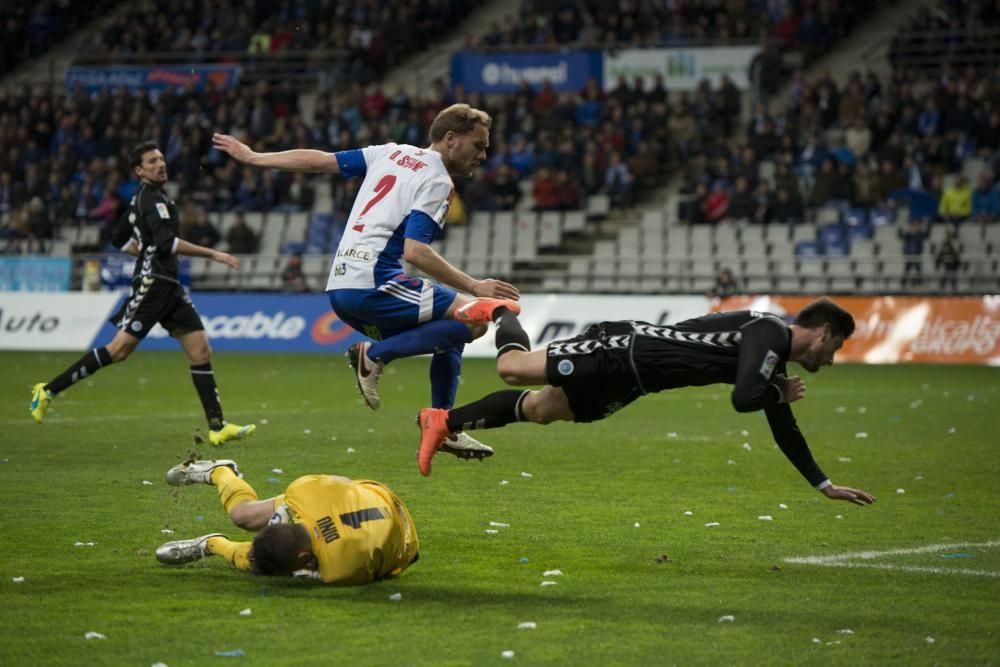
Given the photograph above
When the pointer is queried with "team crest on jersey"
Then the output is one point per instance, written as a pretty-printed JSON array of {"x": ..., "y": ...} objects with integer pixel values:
[
  {"x": 136, "y": 326},
  {"x": 770, "y": 361},
  {"x": 565, "y": 367},
  {"x": 161, "y": 208}
]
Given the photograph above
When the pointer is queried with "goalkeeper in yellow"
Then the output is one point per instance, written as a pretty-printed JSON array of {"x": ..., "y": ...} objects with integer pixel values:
[{"x": 341, "y": 531}]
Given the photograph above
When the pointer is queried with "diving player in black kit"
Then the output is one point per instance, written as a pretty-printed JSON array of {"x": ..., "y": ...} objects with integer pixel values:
[
  {"x": 150, "y": 231},
  {"x": 611, "y": 364}
]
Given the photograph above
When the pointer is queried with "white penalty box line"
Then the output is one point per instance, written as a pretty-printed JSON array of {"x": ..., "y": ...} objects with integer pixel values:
[{"x": 858, "y": 559}]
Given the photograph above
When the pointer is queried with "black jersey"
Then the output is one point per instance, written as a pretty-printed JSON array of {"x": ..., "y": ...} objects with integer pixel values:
[
  {"x": 153, "y": 222},
  {"x": 742, "y": 348}
]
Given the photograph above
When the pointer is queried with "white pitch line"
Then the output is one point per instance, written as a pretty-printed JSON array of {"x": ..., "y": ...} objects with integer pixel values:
[
  {"x": 868, "y": 555},
  {"x": 916, "y": 568}
]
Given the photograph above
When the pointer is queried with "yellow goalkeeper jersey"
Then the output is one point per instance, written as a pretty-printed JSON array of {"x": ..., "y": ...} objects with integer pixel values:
[{"x": 360, "y": 530}]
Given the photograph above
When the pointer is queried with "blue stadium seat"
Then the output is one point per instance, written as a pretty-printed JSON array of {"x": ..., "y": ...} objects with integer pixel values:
[{"x": 808, "y": 249}]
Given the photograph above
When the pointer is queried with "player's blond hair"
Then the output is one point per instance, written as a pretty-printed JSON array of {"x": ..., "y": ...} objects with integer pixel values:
[{"x": 460, "y": 119}]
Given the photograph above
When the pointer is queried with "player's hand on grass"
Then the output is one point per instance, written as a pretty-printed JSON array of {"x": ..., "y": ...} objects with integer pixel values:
[
  {"x": 496, "y": 289},
  {"x": 856, "y": 496},
  {"x": 234, "y": 147},
  {"x": 792, "y": 389},
  {"x": 227, "y": 259}
]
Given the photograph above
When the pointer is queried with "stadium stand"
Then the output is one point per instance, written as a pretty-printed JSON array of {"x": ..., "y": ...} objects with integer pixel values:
[
  {"x": 32, "y": 28},
  {"x": 803, "y": 192}
]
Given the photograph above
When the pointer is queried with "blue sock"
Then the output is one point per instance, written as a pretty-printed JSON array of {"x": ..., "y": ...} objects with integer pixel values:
[
  {"x": 425, "y": 339},
  {"x": 446, "y": 366}
]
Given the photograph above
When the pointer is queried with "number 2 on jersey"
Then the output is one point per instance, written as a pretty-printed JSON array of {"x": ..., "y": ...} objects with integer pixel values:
[{"x": 381, "y": 190}]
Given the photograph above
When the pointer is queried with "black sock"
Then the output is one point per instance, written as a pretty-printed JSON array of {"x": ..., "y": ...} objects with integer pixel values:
[
  {"x": 88, "y": 364},
  {"x": 204, "y": 382},
  {"x": 498, "y": 409},
  {"x": 510, "y": 334}
]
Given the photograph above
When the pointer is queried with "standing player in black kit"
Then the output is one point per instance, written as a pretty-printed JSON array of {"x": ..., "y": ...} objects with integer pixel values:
[
  {"x": 611, "y": 364},
  {"x": 150, "y": 232}
]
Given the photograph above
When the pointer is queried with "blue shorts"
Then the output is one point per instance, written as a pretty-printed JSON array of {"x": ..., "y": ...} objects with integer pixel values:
[{"x": 399, "y": 305}]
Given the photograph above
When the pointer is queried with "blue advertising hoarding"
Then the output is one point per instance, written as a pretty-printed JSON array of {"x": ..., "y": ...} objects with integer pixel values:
[
  {"x": 154, "y": 78},
  {"x": 265, "y": 322},
  {"x": 34, "y": 274},
  {"x": 505, "y": 72}
]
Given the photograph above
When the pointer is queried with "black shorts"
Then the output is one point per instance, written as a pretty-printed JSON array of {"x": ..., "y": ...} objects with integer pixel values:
[
  {"x": 153, "y": 300},
  {"x": 595, "y": 371}
]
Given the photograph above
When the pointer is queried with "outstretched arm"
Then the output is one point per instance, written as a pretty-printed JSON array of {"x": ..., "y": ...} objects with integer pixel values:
[
  {"x": 793, "y": 445},
  {"x": 425, "y": 258},
  {"x": 195, "y": 250},
  {"x": 298, "y": 159}
]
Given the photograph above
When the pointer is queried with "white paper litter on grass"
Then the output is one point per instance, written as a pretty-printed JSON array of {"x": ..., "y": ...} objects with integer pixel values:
[
  {"x": 712, "y": 523},
  {"x": 731, "y": 462},
  {"x": 497, "y": 524},
  {"x": 636, "y": 524},
  {"x": 265, "y": 421},
  {"x": 672, "y": 434},
  {"x": 307, "y": 431},
  {"x": 506, "y": 654},
  {"x": 491, "y": 531},
  {"x": 371, "y": 430},
  {"x": 783, "y": 506},
  {"x": 766, "y": 517},
  {"x": 246, "y": 612},
  {"x": 745, "y": 433},
  {"x": 84, "y": 544},
  {"x": 527, "y": 625},
  {"x": 817, "y": 640},
  {"x": 277, "y": 471},
  {"x": 350, "y": 450},
  {"x": 94, "y": 635},
  {"x": 746, "y": 446},
  {"x": 839, "y": 516},
  {"x": 845, "y": 631},
  {"x": 844, "y": 459},
  {"x": 547, "y": 583},
  {"x": 396, "y": 597},
  {"x": 840, "y": 409},
  {"x": 526, "y": 474},
  {"x": 900, "y": 491},
  {"x": 552, "y": 573},
  {"x": 18, "y": 580},
  {"x": 860, "y": 435},
  {"x": 728, "y": 618},
  {"x": 689, "y": 513},
  {"x": 503, "y": 481},
  {"x": 146, "y": 482},
  {"x": 918, "y": 477},
  {"x": 159, "y": 664},
  {"x": 930, "y": 640},
  {"x": 166, "y": 531},
  {"x": 862, "y": 410},
  {"x": 952, "y": 429},
  {"x": 916, "y": 404}
]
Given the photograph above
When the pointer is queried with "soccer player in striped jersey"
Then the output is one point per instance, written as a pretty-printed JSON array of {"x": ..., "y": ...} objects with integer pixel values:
[
  {"x": 150, "y": 230},
  {"x": 400, "y": 210},
  {"x": 334, "y": 529},
  {"x": 593, "y": 375}
]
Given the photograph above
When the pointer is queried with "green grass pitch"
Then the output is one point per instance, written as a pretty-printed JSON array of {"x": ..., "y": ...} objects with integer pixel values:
[{"x": 604, "y": 504}]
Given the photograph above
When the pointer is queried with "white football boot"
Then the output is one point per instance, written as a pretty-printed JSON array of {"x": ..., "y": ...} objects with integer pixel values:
[
  {"x": 464, "y": 446},
  {"x": 197, "y": 472},
  {"x": 179, "y": 552}
]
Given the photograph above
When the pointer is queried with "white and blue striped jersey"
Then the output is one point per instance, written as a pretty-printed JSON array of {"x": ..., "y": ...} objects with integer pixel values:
[{"x": 405, "y": 194}]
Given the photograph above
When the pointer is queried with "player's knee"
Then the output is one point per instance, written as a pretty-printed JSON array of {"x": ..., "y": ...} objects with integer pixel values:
[
  {"x": 508, "y": 368},
  {"x": 478, "y": 329},
  {"x": 119, "y": 352},
  {"x": 242, "y": 518},
  {"x": 536, "y": 411},
  {"x": 202, "y": 355}
]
